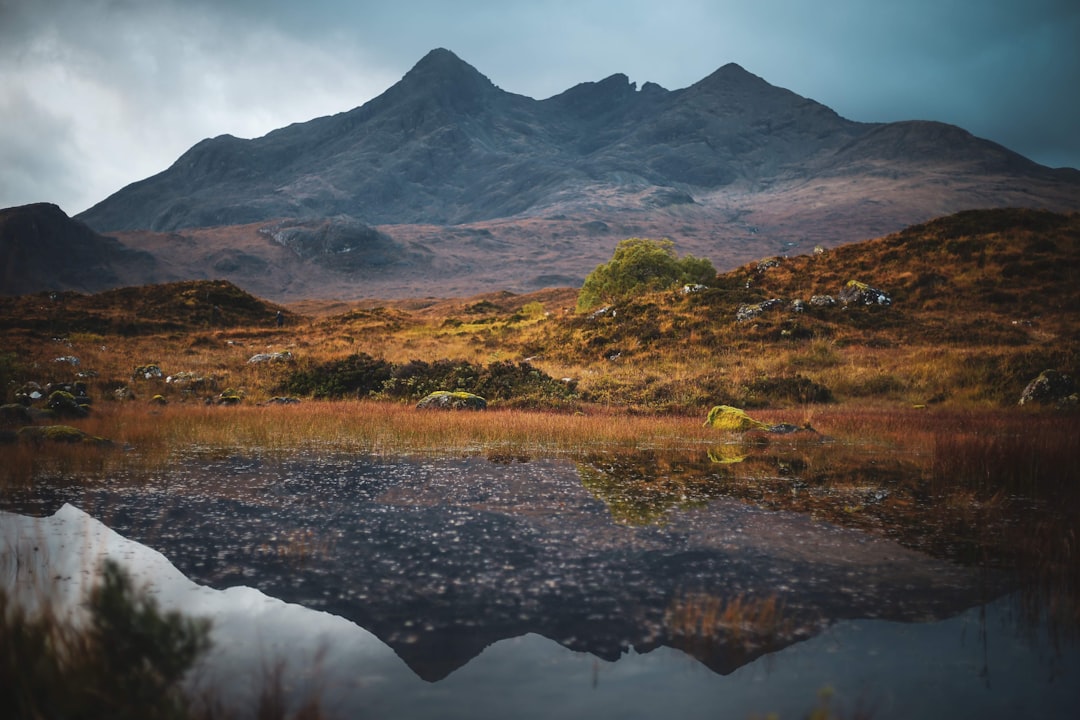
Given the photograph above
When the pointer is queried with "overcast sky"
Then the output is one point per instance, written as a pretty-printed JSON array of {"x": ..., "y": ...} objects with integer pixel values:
[{"x": 96, "y": 94}]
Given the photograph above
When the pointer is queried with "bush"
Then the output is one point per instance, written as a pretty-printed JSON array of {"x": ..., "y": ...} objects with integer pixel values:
[
  {"x": 354, "y": 376},
  {"x": 642, "y": 265}
]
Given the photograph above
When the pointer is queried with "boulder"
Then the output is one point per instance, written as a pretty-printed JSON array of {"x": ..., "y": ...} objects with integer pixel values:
[
  {"x": 58, "y": 433},
  {"x": 749, "y": 312},
  {"x": 725, "y": 417},
  {"x": 283, "y": 401},
  {"x": 445, "y": 400},
  {"x": 64, "y": 404},
  {"x": 259, "y": 358},
  {"x": 147, "y": 372},
  {"x": 230, "y": 397},
  {"x": 822, "y": 300},
  {"x": 733, "y": 419},
  {"x": 1051, "y": 387},
  {"x": 859, "y": 293},
  {"x": 29, "y": 393},
  {"x": 14, "y": 414}
]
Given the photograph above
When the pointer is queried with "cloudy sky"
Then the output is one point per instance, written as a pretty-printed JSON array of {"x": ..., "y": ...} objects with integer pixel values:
[{"x": 96, "y": 94}]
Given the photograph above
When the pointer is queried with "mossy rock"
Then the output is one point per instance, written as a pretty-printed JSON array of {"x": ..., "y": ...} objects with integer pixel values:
[
  {"x": 732, "y": 419},
  {"x": 64, "y": 404},
  {"x": 445, "y": 400},
  {"x": 59, "y": 433},
  {"x": 230, "y": 397}
]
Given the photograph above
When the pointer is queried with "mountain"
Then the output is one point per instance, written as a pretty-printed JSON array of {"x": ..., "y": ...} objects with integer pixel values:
[
  {"x": 41, "y": 248},
  {"x": 446, "y": 183}
]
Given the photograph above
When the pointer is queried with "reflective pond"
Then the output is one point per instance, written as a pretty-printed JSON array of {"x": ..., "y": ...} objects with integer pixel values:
[{"x": 715, "y": 584}]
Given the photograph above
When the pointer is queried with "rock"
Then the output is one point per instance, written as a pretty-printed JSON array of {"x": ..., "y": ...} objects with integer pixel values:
[
  {"x": 822, "y": 301},
  {"x": 123, "y": 393},
  {"x": 14, "y": 414},
  {"x": 749, "y": 312},
  {"x": 59, "y": 433},
  {"x": 64, "y": 404},
  {"x": 725, "y": 417},
  {"x": 159, "y": 400},
  {"x": 284, "y": 356},
  {"x": 859, "y": 293},
  {"x": 190, "y": 383},
  {"x": 230, "y": 397},
  {"x": 733, "y": 419},
  {"x": 283, "y": 401},
  {"x": 1050, "y": 387},
  {"x": 445, "y": 400},
  {"x": 147, "y": 372},
  {"x": 29, "y": 393},
  {"x": 769, "y": 262},
  {"x": 69, "y": 359},
  {"x": 798, "y": 306}
]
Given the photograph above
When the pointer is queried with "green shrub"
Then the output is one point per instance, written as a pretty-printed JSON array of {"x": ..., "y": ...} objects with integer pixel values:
[{"x": 642, "y": 265}]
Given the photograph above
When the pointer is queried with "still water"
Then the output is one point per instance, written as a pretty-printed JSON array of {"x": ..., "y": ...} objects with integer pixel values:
[{"x": 604, "y": 586}]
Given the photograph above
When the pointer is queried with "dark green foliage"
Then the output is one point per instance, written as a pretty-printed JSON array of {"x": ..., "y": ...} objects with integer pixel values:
[
  {"x": 642, "y": 265},
  {"x": 519, "y": 384},
  {"x": 128, "y": 663},
  {"x": 357, "y": 375}
]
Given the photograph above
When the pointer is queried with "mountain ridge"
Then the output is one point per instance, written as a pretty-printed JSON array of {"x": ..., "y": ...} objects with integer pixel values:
[{"x": 448, "y": 184}]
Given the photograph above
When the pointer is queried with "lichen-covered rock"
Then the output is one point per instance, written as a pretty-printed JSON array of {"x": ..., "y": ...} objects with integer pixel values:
[
  {"x": 822, "y": 300},
  {"x": 147, "y": 372},
  {"x": 859, "y": 293},
  {"x": 445, "y": 400},
  {"x": 1051, "y": 387},
  {"x": 230, "y": 397},
  {"x": 749, "y": 312},
  {"x": 725, "y": 417},
  {"x": 277, "y": 357}
]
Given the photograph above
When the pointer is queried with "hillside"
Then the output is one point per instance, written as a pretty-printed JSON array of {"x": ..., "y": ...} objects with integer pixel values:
[{"x": 977, "y": 304}]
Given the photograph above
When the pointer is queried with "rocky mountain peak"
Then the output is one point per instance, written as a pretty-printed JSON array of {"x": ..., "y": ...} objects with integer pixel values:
[{"x": 444, "y": 77}]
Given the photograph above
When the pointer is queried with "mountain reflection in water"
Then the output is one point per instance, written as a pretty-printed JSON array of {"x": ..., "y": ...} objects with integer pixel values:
[
  {"x": 442, "y": 558},
  {"x": 472, "y": 570}
]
